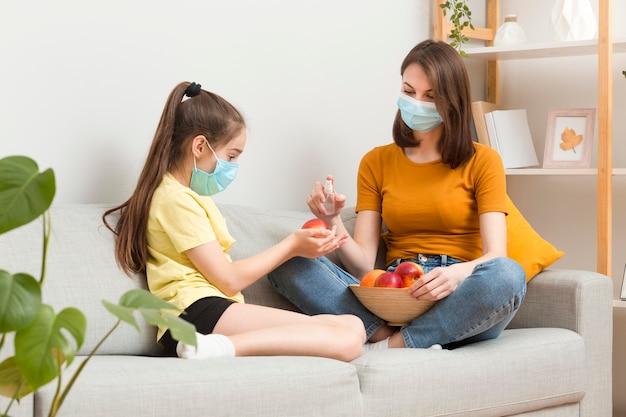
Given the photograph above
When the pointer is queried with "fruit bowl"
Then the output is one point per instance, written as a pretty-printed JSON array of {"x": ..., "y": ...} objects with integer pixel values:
[{"x": 394, "y": 305}]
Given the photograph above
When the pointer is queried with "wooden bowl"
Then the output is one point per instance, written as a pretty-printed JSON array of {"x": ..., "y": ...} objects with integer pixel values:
[{"x": 394, "y": 305}]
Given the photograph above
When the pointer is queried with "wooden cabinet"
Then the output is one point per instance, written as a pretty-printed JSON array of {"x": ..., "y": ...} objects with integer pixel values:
[{"x": 604, "y": 48}]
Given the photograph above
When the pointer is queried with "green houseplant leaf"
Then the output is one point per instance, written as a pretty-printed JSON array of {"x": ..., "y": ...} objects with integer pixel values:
[
  {"x": 42, "y": 345},
  {"x": 12, "y": 382},
  {"x": 461, "y": 18},
  {"x": 20, "y": 300},
  {"x": 154, "y": 311},
  {"x": 25, "y": 194}
]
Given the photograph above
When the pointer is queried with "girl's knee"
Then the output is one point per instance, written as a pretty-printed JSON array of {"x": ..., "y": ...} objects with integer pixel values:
[
  {"x": 355, "y": 324},
  {"x": 350, "y": 347},
  {"x": 346, "y": 322}
]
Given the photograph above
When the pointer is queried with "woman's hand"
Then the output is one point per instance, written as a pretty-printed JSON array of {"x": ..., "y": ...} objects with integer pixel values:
[
  {"x": 313, "y": 243},
  {"x": 440, "y": 282},
  {"x": 315, "y": 200}
]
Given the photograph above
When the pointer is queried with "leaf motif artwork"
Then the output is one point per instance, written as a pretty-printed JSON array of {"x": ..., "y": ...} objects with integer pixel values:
[{"x": 569, "y": 139}]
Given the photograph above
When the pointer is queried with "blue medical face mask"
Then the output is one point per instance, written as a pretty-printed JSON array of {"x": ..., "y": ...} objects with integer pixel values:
[
  {"x": 208, "y": 184},
  {"x": 418, "y": 115}
]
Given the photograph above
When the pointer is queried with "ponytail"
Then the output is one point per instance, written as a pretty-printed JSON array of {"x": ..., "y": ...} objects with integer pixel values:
[{"x": 188, "y": 112}]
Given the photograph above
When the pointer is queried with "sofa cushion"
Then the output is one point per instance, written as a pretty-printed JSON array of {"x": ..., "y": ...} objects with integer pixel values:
[
  {"x": 246, "y": 386},
  {"x": 526, "y": 246},
  {"x": 480, "y": 380}
]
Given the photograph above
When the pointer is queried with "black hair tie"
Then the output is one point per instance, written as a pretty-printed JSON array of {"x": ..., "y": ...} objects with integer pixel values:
[{"x": 193, "y": 90}]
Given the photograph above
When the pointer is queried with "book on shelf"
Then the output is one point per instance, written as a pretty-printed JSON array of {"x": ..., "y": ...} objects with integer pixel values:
[
  {"x": 510, "y": 136},
  {"x": 479, "y": 108}
]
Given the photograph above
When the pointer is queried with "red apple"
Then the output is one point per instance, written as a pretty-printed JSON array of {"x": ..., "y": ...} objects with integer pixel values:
[
  {"x": 315, "y": 224},
  {"x": 409, "y": 272},
  {"x": 388, "y": 280}
]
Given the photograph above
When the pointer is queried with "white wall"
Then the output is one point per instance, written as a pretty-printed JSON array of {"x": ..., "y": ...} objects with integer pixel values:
[{"x": 82, "y": 86}]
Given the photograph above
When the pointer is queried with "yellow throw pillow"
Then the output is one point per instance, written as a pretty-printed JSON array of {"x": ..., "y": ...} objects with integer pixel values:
[{"x": 525, "y": 245}]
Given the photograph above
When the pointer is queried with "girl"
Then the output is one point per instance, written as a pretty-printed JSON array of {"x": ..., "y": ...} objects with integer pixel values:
[
  {"x": 442, "y": 198},
  {"x": 171, "y": 228}
]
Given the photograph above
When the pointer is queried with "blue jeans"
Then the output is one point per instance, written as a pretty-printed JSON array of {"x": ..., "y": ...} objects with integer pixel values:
[{"x": 479, "y": 309}]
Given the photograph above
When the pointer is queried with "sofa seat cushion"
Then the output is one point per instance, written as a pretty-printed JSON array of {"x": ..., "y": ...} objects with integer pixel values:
[
  {"x": 483, "y": 379},
  {"x": 142, "y": 386}
]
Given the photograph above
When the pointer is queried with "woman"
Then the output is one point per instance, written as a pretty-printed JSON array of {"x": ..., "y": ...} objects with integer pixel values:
[
  {"x": 171, "y": 228},
  {"x": 442, "y": 198}
]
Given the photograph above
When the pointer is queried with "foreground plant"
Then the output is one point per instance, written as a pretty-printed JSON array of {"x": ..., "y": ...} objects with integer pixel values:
[{"x": 42, "y": 348}]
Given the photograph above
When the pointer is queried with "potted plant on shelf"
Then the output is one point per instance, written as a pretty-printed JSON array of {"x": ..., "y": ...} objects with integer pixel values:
[
  {"x": 42, "y": 348},
  {"x": 461, "y": 18}
]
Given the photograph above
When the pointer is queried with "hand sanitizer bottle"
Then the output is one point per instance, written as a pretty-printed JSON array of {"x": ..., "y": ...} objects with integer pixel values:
[{"x": 329, "y": 197}]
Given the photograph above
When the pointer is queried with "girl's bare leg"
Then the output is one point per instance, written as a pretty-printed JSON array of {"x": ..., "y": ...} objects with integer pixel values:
[{"x": 258, "y": 330}]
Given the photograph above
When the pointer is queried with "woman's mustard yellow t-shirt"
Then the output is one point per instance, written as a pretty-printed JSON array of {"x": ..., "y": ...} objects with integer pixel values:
[
  {"x": 430, "y": 208},
  {"x": 180, "y": 220}
]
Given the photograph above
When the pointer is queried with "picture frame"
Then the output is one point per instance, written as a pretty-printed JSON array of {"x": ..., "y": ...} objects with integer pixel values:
[
  {"x": 622, "y": 294},
  {"x": 569, "y": 138}
]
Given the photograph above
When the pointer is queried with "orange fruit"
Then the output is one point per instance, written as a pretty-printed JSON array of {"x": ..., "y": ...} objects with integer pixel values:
[{"x": 369, "y": 278}]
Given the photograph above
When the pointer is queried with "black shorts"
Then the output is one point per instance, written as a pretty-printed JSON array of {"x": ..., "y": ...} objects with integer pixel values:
[{"x": 203, "y": 314}]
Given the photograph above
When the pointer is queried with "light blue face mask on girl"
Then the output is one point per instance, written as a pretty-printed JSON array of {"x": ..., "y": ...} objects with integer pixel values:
[
  {"x": 210, "y": 184},
  {"x": 418, "y": 115}
]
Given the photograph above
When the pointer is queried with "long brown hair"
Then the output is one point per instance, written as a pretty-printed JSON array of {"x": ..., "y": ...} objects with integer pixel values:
[
  {"x": 447, "y": 74},
  {"x": 202, "y": 113}
]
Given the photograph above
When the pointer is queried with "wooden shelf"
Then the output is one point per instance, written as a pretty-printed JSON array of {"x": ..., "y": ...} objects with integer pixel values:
[
  {"x": 561, "y": 171},
  {"x": 619, "y": 303},
  {"x": 541, "y": 50},
  {"x": 619, "y": 171}
]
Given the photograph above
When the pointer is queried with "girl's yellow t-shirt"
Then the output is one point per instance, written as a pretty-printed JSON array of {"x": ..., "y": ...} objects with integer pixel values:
[
  {"x": 430, "y": 208},
  {"x": 179, "y": 220}
]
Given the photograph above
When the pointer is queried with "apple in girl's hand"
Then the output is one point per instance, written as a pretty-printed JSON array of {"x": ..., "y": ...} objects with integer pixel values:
[
  {"x": 409, "y": 272},
  {"x": 315, "y": 224},
  {"x": 388, "y": 280}
]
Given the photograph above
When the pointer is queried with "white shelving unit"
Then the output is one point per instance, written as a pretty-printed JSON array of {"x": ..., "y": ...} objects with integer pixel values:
[
  {"x": 541, "y": 50},
  {"x": 603, "y": 48},
  {"x": 561, "y": 171}
]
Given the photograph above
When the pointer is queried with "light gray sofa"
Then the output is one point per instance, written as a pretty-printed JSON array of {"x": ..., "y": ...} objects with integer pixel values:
[{"x": 554, "y": 360}]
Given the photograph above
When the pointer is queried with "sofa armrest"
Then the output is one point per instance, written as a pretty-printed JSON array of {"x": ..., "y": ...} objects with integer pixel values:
[{"x": 580, "y": 301}]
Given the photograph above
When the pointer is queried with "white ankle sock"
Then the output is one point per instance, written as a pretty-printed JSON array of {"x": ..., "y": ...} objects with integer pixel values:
[
  {"x": 209, "y": 346},
  {"x": 380, "y": 345}
]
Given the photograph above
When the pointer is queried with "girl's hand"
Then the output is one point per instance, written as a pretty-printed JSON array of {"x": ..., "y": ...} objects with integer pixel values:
[
  {"x": 313, "y": 243},
  {"x": 439, "y": 282},
  {"x": 315, "y": 200}
]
